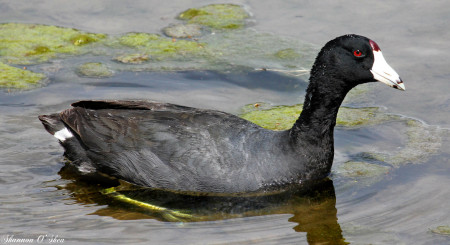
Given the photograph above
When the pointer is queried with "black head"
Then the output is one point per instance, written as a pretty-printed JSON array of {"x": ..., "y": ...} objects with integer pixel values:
[{"x": 354, "y": 59}]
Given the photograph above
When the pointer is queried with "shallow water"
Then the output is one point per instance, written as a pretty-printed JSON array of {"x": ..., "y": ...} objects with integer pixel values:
[{"x": 399, "y": 206}]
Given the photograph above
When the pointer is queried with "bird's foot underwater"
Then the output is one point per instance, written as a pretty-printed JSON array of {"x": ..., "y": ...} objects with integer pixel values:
[{"x": 167, "y": 214}]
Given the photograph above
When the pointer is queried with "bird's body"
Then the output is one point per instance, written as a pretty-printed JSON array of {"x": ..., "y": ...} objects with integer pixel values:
[{"x": 181, "y": 148}]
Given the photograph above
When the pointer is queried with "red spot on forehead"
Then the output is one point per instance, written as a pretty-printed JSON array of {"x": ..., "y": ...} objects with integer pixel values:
[{"x": 374, "y": 46}]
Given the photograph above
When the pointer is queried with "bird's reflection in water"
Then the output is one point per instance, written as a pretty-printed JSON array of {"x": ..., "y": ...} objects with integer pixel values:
[{"x": 313, "y": 207}]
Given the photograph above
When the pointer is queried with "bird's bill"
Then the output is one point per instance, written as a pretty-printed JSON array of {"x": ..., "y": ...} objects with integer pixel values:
[{"x": 384, "y": 73}]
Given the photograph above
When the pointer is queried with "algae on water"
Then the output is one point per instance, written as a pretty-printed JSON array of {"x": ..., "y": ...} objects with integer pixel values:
[
  {"x": 362, "y": 169},
  {"x": 220, "y": 50},
  {"x": 32, "y": 43},
  {"x": 16, "y": 78},
  {"x": 422, "y": 140},
  {"x": 132, "y": 58},
  {"x": 183, "y": 31},
  {"x": 442, "y": 230},
  {"x": 274, "y": 118},
  {"x": 283, "y": 117},
  {"x": 287, "y": 54},
  {"x": 94, "y": 69},
  {"x": 158, "y": 47},
  {"x": 217, "y": 16}
]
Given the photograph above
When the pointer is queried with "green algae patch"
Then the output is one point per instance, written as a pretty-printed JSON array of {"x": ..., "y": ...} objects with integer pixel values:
[
  {"x": 422, "y": 141},
  {"x": 132, "y": 58},
  {"x": 159, "y": 48},
  {"x": 31, "y": 43},
  {"x": 217, "y": 16},
  {"x": 138, "y": 39},
  {"x": 250, "y": 48},
  {"x": 83, "y": 39},
  {"x": 283, "y": 117},
  {"x": 287, "y": 54},
  {"x": 442, "y": 230},
  {"x": 362, "y": 169},
  {"x": 222, "y": 51},
  {"x": 351, "y": 117},
  {"x": 94, "y": 69},
  {"x": 183, "y": 31},
  {"x": 274, "y": 118},
  {"x": 19, "y": 79}
]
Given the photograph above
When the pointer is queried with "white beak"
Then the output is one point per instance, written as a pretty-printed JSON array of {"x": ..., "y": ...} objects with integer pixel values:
[{"x": 384, "y": 73}]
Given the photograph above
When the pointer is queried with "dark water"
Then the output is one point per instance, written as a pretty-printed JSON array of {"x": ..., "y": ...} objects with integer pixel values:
[{"x": 401, "y": 206}]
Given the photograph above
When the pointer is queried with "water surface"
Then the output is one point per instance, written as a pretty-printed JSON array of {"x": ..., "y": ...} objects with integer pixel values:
[{"x": 401, "y": 206}]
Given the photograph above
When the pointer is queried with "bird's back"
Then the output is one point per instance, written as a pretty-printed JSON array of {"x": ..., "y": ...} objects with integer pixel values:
[{"x": 173, "y": 147}]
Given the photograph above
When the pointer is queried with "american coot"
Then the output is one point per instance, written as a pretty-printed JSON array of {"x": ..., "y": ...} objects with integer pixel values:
[{"x": 173, "y": 147}]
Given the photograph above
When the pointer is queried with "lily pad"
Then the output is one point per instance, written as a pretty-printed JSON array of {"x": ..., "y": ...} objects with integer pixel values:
[
  {"x": 19, "y": 79},
  {"x": 94, "y": 69},
  {"x": 31, "y": 43},
  {"x": 217, "y": 16}
]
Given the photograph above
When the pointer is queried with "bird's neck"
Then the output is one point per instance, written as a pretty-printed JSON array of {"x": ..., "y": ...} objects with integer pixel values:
[{"x": 316, "y": 122}]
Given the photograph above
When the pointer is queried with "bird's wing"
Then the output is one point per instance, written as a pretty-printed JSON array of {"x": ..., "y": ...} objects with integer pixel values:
[{"x": 154, "y": 143}]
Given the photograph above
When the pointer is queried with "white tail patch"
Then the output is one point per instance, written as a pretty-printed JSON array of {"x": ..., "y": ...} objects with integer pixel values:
[{"x": 63, "y": 134}]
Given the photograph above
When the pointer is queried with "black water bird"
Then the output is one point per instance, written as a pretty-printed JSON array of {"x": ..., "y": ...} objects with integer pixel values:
[{"x": 178, "y": 148}]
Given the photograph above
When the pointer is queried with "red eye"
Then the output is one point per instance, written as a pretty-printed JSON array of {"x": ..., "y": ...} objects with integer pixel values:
[{"x": 357, "y": 53}]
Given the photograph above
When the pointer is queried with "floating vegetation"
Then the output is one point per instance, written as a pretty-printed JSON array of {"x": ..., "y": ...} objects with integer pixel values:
[
  {"x": 287, "y": 54},
  {"x": 217, "y": 16},
  {"x": 243, "y": 48},
  {"x": 16, "y": 78},
  {"x": 138, "y": 39},
  {"x": 83, "y": 39},
  {"x": 132, "y": 58},
  {"x": 283, "y": 117},
  {"x": 183, "y": 31},
  {"x": 442, "y": 230},
  {"x": 351, "y": 117},
  {"x": 362, "y": 169},
  {"x": 422, "y": 140},
  {"x": 249, "y": 48},
  {"x": 94, "y": 69},
  {"x": 31, "y": 43},
  {"x": 274, "y": 118},
  {"x": 160, "y": 48}
]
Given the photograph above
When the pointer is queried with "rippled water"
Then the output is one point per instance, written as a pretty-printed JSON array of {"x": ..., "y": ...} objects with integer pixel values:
[{"x": 399, "y": 206}]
